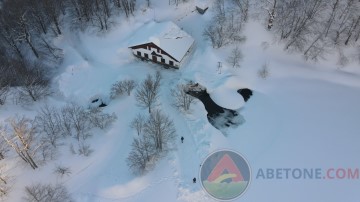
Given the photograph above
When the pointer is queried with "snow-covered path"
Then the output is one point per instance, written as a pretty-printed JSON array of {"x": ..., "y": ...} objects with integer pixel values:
[{"x": 185, "y": 160}]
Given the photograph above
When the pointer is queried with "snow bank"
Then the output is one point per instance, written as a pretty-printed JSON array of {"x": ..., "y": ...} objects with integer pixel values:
[
  {"x": 129, "y": 189},
  {"x": 226, "y": 95}
]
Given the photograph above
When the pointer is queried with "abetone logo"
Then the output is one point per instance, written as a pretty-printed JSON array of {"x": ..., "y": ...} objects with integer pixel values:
[{"x": 225, "y": 175}]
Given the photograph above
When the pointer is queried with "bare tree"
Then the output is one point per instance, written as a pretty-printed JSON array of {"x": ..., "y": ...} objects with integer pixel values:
[
  {"x": 127, "y": 6},
  {"x": 317, "y": 48},
  {"x": 47, "y": 193},
  {"x": 358, "y": 54},
  {"x": 331, "y": 19},
  {"x": 4, "y": 148},
  {"x": 34, "y": 83},
  {"x": 129, "y": 85},
  {"x": 36, "y": 15},
  {"x": 161, "y": 130},
  {"x": 80, "y": 13},
  {"x": 316, "y": 27},
  {"x": 62, "y": 171},
  {"x": 343, "y": 60},
  {"x": 116, "y": 90},
  {"x": 4, "y": 91},
  {"x": 23, "y": 139},
  {"x": 5, "y": 180},
  {"x": 84, "y": 148},
  {"x": 235, "y": 57},
  {"x": 141, "y": 154},
  {"x": 97, "y": 13},
  {"x": 74, "y": 120},
  {"x": 49, "y": 51},
  {"x": 102, "y": 14},
  {"x": 182, "y": 100},
  {"x": 270, "y": 7},
  {"x": 242, "y": 7},
  {"x": 264, "y": 71},
  {"x": 66, "y": 122},
  {"x": 120, "y": 87},
  {"x": 25, "y": 24},
  {"x": 226, "y": 24},
  {"x": 52, "y": 9},
  {"x": 159, "y": 134},
  {"x": 138, "y": 123},
  {"x": 48, "y": 123},
  {"x": 78, "y": 118},
  {"x": 8, "y": 38},
  {"x": 24, "y": 28},
  {"x": 100, "y": 119},
  {"x": 148, "y": 92}
]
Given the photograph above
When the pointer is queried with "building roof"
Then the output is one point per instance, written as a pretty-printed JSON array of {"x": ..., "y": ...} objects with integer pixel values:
[{"x": 166, "y": 35}]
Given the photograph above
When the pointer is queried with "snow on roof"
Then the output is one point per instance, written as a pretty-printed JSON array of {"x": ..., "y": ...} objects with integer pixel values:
[{"x": 166, "y": 35}]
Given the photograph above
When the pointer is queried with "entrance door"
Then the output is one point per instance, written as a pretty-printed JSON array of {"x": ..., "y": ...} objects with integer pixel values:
[{"x": 154, "y": 58}]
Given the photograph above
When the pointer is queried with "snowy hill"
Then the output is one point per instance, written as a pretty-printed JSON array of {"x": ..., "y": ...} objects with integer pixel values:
[{"x": 303, "y": 115}]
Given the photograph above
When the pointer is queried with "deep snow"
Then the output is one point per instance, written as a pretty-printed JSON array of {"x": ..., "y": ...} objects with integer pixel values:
[{"x": 304, "y": 115}]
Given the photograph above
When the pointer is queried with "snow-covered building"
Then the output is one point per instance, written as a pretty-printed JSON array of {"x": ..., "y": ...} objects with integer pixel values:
[{"x": 164, "y": 43}]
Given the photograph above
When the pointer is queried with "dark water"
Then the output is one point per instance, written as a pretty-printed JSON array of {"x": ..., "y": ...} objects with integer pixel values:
[
  {"x": 245, "y": 93},
  {"x": 218, "y": 116}
]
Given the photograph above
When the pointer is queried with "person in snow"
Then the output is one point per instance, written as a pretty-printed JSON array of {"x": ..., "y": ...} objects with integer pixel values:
[
  {"x": 182, "y": 139},
  {"x": 194, "y": 180}
]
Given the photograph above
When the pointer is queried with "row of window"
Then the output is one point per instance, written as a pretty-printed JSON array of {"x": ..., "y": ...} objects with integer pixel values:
[
  {"x": 154, "y": 58},
  {"x": 157, "y": 49}
]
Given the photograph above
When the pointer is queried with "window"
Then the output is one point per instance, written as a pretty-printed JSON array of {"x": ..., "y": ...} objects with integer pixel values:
[
  {"x": 171, "y": 63},
  {"x": 138, "y": 53},
  {"x": 162, "y": 60},
  {"x": 146, "y": 55}
]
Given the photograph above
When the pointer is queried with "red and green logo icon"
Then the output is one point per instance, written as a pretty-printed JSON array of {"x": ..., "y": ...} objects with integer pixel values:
[{"x": 225, "y": 175}]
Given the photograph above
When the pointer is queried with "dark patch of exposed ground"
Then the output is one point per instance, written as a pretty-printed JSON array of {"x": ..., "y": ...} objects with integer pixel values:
[{"x": 218, "y": 116}]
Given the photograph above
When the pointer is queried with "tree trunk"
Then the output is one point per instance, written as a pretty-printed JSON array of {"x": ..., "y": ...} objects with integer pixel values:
[
  {"x": 31, "y": 161},
  {"x": 32, "y": 48},
  {"x": 56, "y": 22}
]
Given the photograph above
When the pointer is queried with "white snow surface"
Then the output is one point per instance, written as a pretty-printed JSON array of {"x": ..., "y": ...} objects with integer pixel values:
[
  {"x": 166, "y": 35},
  {"x": 226, "y": 95},
  {"x": 304, "y": 115}
]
